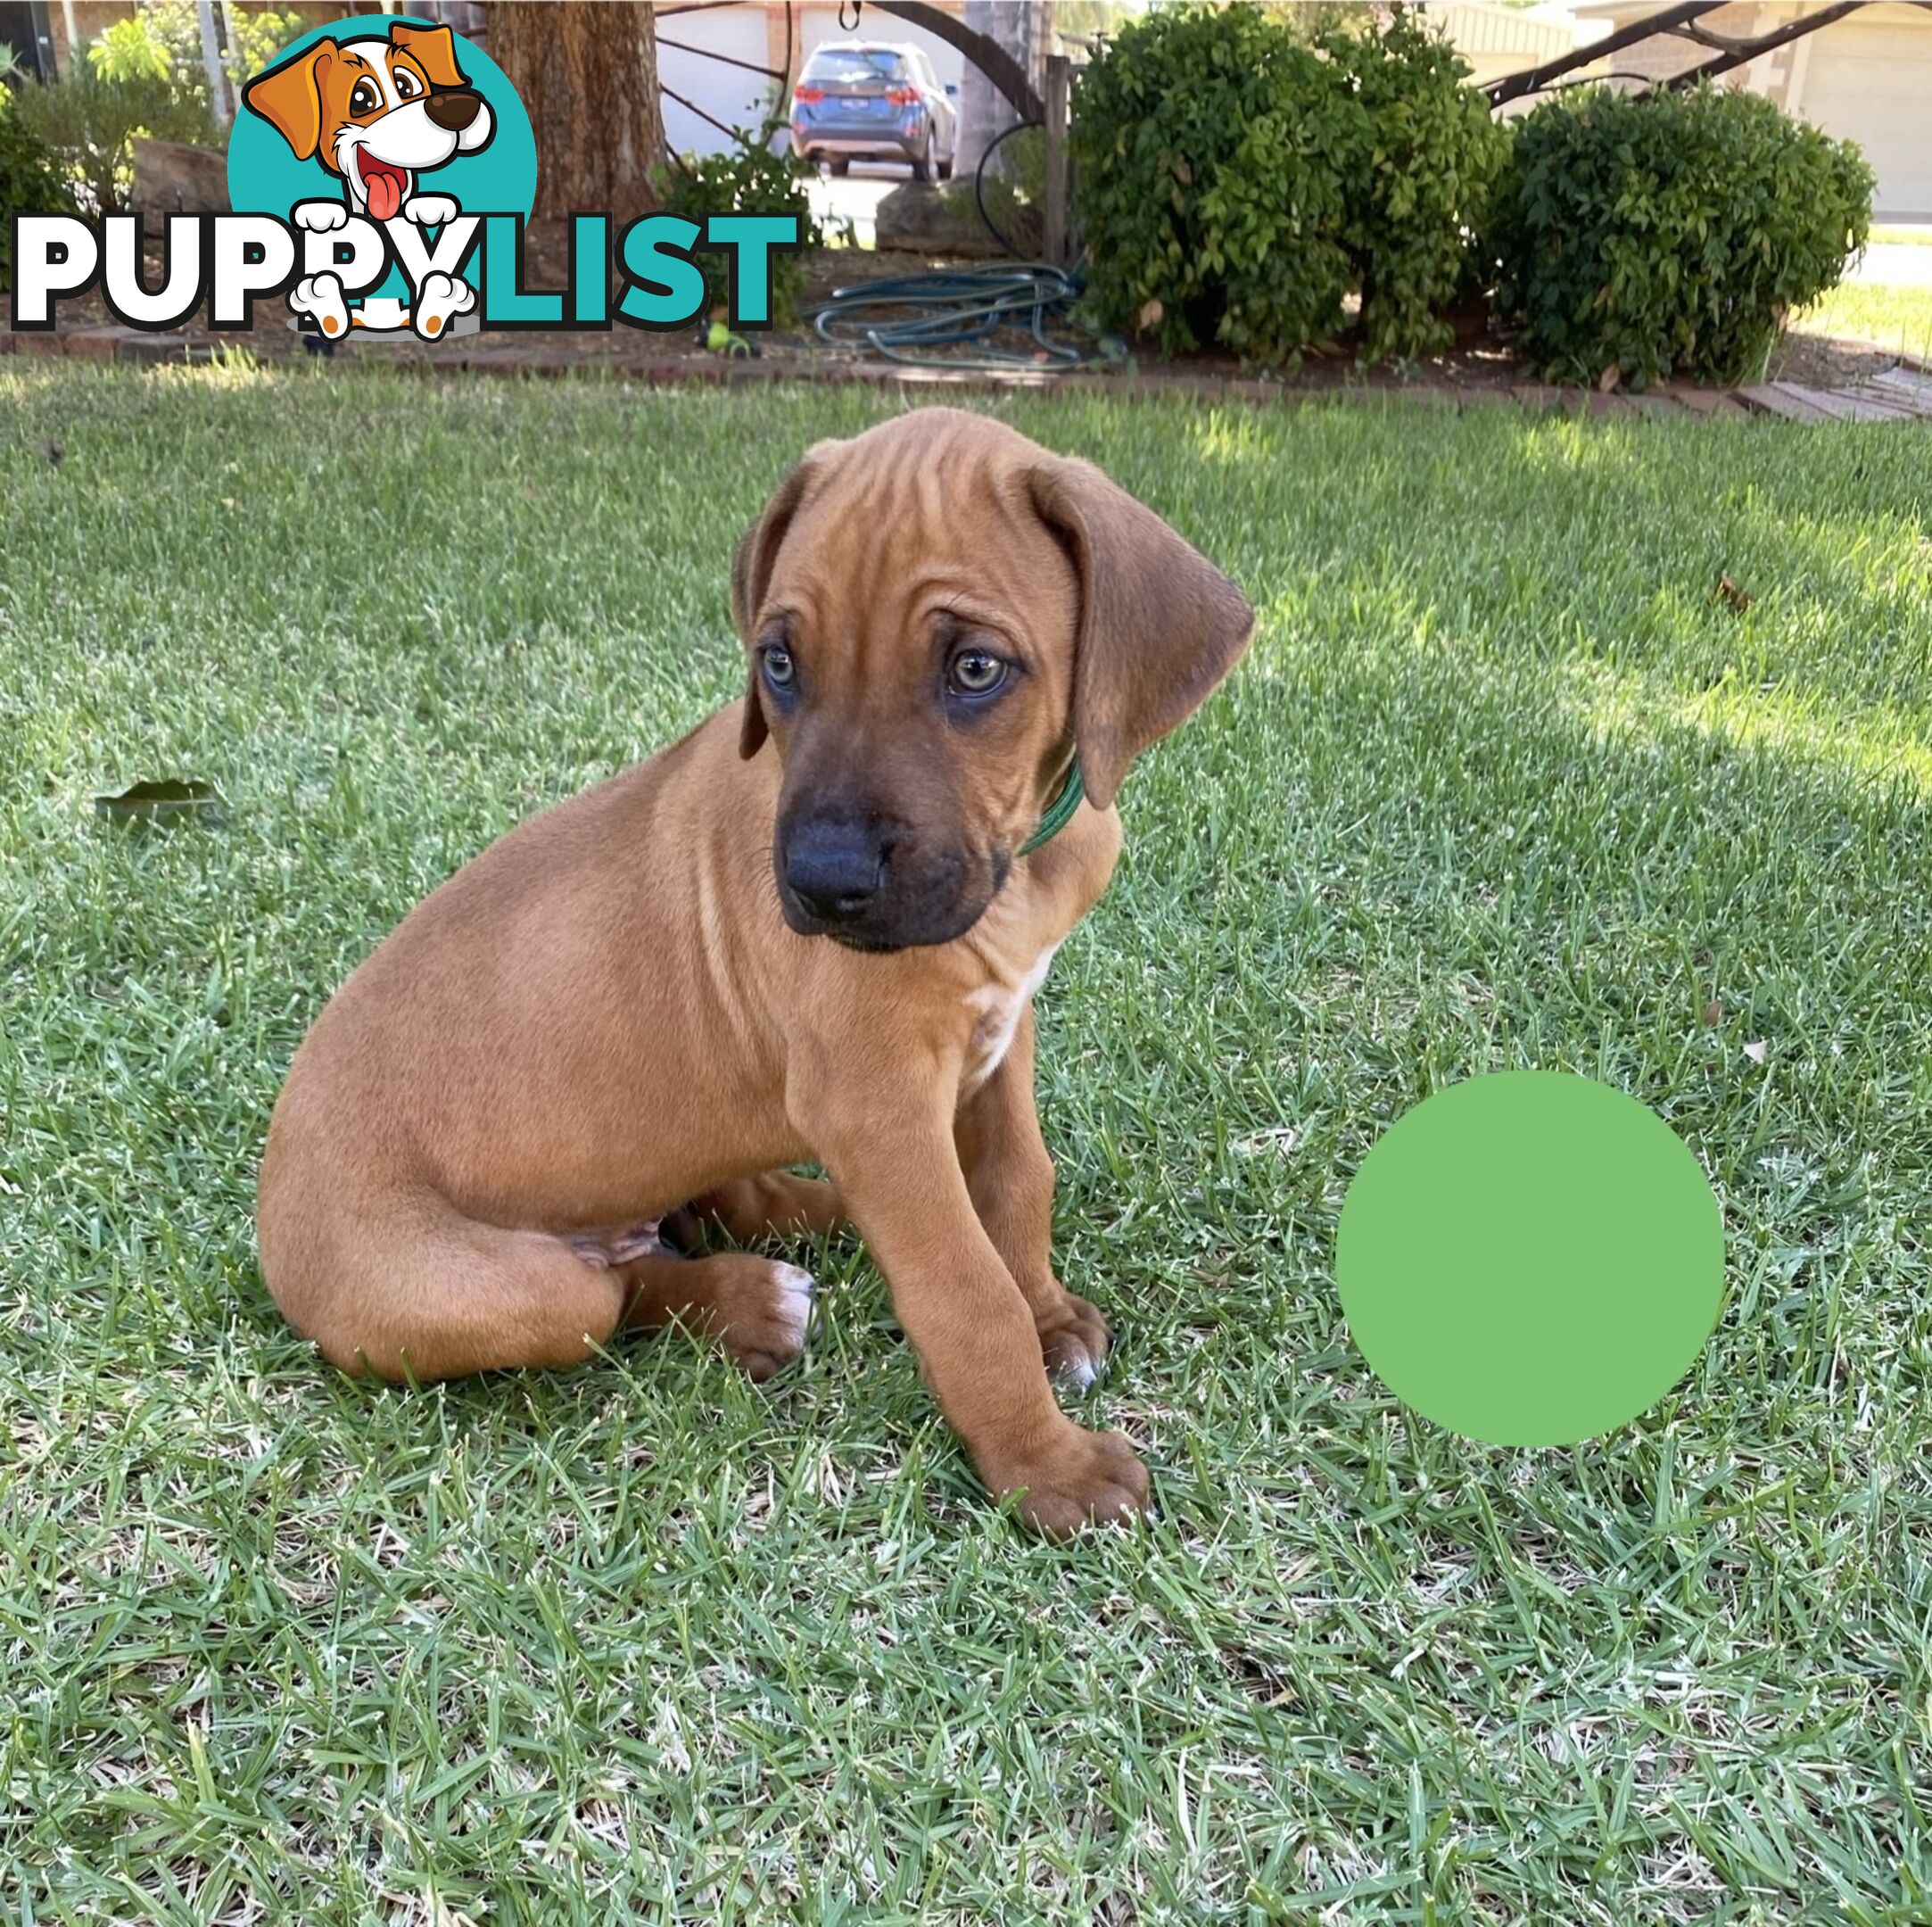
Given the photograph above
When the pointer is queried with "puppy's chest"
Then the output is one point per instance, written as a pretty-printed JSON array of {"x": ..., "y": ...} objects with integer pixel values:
[{"x": 995, "y": 1010}]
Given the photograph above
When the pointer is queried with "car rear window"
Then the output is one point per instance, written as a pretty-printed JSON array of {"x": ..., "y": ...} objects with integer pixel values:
[{"x": 854, "y": 63}]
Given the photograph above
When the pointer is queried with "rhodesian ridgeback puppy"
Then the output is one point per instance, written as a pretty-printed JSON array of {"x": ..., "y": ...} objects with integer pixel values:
[{"x": 811, "y": 929}]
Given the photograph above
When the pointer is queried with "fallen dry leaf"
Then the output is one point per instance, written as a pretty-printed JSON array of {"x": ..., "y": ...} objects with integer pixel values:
[
  {"x": 1757, "y": 1052},
  {"x": 1732, "y": 594},
  {"x": 1713, "y": 1014},
  {"x": 169, "y": 800},
  {"x": 1282, "y": 1139},
  {"x": 1151, "y": 312}
]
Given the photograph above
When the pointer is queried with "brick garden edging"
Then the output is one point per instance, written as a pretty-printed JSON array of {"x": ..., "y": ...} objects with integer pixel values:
[{"x": 132, "y": 347}]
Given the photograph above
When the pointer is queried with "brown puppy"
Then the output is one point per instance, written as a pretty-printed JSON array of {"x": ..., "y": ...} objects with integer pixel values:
[{"x": 808, "y": 930}]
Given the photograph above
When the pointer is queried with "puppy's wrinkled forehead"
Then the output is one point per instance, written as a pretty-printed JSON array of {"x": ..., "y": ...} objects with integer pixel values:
[{"x": 932, "y": 509}]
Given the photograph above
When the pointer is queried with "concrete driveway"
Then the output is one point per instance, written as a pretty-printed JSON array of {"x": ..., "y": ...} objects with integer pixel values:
[
  {"x": 1895, "y": 264},
  {"x": 855, "y": 197}
]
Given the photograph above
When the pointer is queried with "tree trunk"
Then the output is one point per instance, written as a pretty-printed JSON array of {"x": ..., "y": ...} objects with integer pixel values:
[
  {"x": 1020, "y": 26},
  {"x": 218, "y": 81},
  {"x": 587, "y": 75}
]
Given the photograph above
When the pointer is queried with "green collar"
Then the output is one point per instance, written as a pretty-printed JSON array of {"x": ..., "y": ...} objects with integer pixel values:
[{"x": 1058, "y": 812}]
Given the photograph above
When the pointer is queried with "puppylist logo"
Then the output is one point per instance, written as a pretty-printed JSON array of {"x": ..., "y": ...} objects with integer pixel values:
[{"x": 380, "y": 181}]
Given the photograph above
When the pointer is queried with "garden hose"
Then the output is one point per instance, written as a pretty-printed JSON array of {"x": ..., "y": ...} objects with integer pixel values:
[
  {"x": 908, "y": 317},
  {"x": 953, "y": 307}
]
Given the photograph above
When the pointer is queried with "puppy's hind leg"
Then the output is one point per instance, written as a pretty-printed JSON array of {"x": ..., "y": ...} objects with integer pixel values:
[
  {"x": 466, "y": 1297},
  {"x": 756, "y": 1307},
  {"x": 751, "y": 1210}
]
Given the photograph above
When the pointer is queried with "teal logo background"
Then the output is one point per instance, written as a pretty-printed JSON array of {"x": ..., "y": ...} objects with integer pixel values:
[{"x": 265, "y": 177}]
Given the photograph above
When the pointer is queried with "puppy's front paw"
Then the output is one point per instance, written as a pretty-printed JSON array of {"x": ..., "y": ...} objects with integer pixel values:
[
  {"x": 429, "y": 210},
  {"x": 321, "y": 216},
  {"x": 1086, "y": 1478},
  {"x": 1073, "y": 1340}
]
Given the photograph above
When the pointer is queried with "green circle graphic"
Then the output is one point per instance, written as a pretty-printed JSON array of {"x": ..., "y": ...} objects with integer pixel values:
[{"x": 1530, "y": 1258}]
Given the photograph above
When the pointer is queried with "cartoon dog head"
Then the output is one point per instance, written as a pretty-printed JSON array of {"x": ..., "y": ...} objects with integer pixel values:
[{"x": 378, "y": 112}]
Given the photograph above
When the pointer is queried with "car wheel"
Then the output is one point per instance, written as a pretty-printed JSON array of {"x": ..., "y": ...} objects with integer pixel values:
[
  {"x": 840, "y": 167},
  {"x": 923, "y": 169}
]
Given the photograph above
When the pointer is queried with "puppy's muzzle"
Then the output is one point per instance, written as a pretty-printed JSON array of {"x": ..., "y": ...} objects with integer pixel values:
[
  {"x": 876, "y": 883},
  {"x": 835, "y": 870},
  {"x": 452, "y": 109}
]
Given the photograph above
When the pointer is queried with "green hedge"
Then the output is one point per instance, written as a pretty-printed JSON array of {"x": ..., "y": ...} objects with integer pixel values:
[
  {"x": 90, "y": 123},
  {"x": 1668, "y": 233},
  {"x": 1235, "y": 182},
  {"x": 29, "y": 181},
  {"x": 1435, "y": 152}
]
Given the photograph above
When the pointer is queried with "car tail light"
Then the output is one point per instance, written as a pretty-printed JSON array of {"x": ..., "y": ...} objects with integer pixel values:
[
  {"x": 902, "y": 96},
  {"x": 809, "y": 94}
]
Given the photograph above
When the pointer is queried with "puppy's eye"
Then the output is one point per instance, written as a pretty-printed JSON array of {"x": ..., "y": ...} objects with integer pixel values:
[
  {"x": 364, "y": 98},
  {"x": 976, "y": 673},
  {"x": 408, "y": 87},
  {"x": 779, "y": 671}
]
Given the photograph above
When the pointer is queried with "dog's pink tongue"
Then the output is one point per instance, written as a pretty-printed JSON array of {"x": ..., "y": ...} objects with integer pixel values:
[{"x": 386, "y": 193}]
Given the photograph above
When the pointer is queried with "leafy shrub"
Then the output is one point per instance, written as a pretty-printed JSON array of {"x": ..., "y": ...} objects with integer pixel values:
[
  {"x": 1669, "y": 232},
  {"x": 29, "y": 181},
  {"x": 131, "y": 50},
  {"x": 1416, "y": 201},
  {"x": 1236, "y": 182},
  {"x": 752, "y": 180},
  {"x": 144, "y": 76},
  {"x": 161, "y": 40},
  {"x": 1206, "y": 185},
  {"x": 89, "y": 125}
]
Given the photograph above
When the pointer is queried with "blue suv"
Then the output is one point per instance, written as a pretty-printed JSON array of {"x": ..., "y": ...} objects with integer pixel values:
[{"x": 864, "y": 100}]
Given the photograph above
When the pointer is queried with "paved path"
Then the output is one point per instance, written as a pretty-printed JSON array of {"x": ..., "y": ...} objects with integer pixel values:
[
  {"x": 1898, "y": 394},
  {"x": 1902, "y": 393},
  {"x": 1895, "y": 264}
]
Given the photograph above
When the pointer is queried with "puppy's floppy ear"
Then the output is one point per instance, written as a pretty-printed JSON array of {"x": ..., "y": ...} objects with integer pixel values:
[
  {"x": 752, "y": 563},
  {"x": 1160, "y": 626},
  {"x": 289, "y": 98},
  {"x": 435, "y": 48}
]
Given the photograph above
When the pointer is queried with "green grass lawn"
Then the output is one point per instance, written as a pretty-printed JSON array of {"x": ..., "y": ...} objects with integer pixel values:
[{"x": 1500, "y": 784}]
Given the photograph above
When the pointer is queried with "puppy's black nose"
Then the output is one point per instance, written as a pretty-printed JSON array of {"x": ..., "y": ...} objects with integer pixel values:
[
  {"x": 835, "y": 868},
  {"x": 452, "y": 109}
]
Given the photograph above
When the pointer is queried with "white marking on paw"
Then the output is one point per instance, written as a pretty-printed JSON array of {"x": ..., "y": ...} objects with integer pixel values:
[
  {"x": 321, "y": 216},
  {"x": 1082, "y": 1375},
  {"x": 429, "y": 210},
  {"x": 438, "y": 301},
  {"x": 793, "y": 1304}
]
